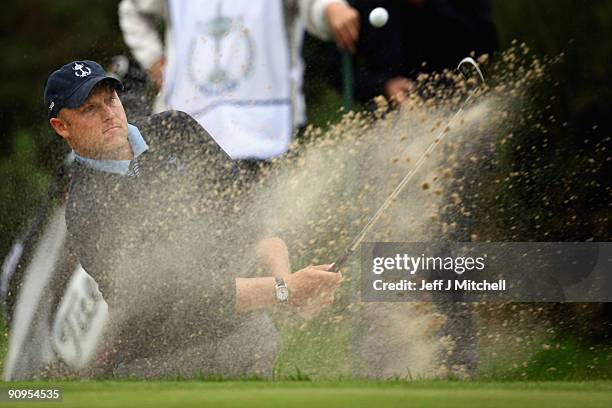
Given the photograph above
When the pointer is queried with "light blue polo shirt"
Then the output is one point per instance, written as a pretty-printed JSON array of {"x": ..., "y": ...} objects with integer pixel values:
[{"x": 139, "y": 146}]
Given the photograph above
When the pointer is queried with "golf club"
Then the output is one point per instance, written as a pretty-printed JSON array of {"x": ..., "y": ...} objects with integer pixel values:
[{"x": 467, "y": 67}]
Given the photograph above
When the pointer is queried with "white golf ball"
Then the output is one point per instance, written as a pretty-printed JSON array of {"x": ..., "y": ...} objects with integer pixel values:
[{"x": 378, "y": 17}]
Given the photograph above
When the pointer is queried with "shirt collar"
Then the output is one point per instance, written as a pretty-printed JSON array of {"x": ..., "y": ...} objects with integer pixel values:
[{"x": 139, "y": 146}]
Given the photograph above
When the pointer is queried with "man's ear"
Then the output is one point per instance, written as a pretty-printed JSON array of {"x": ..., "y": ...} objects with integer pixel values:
[{"x": 60, "y": 127}]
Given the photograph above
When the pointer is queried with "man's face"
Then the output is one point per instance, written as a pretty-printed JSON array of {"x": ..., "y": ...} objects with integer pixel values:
[{"x": 98, "y": 128}]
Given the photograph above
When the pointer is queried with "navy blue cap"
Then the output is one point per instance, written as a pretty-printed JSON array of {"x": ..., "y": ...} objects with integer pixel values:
[{"x": 69, "y": 86}]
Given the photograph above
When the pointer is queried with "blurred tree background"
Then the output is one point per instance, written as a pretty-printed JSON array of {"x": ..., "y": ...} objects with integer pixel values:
[{"x": 37, "y": 37}]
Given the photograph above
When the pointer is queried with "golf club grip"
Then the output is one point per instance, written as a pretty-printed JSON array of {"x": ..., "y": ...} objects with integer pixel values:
[{"x": 340, "y": 262}]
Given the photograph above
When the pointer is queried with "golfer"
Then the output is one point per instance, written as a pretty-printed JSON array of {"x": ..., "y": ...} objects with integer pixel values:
[{"x": 151, "y": 215}]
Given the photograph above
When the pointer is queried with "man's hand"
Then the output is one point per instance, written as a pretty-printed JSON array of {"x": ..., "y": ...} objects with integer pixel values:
[
  {"x": 344, "y": 23},
  {"x": 156, "y": 72},
  {"x": 311, "y": 289},
  {"x": 397, "y": 89}
]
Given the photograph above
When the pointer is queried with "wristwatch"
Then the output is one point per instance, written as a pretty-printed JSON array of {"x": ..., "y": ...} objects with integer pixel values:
[{"x": 282, "y": 291}]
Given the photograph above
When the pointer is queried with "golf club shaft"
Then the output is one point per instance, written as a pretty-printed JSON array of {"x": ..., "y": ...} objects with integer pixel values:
[
  {"x": 372, "y": 221},
  {"x": 347, "y": 81}
]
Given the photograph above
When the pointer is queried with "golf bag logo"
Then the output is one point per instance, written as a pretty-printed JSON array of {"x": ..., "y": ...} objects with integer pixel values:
[
  {"x": 79, "y": 321},
  {"x": 219, "y": 37},
  {"x": 81, "y": 70}
]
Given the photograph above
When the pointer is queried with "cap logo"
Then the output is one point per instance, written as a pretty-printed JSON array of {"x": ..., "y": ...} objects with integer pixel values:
[
  {"x": 52, "y": 105},
  {"x": 81, "y": 70}
]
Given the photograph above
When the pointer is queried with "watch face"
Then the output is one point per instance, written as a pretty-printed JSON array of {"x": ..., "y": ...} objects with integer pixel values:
[{"x": 282, "y": 293}]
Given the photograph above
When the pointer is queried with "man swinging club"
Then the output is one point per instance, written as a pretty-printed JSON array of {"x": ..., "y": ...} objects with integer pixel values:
[{"x": 140, "y": 198}]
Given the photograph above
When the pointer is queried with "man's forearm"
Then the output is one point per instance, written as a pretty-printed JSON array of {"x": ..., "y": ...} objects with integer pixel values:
[
  {"x": 273, "y": 255},
  {"x": 259, "y": 293},
  {"x": 310, "y": 289},
  {"x": 254, "y": 293}
]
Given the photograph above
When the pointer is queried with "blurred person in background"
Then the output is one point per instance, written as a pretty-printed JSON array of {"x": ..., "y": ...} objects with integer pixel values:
[
  {"x": 235, "y": 66},
  {"x": 420, "y": 36}
]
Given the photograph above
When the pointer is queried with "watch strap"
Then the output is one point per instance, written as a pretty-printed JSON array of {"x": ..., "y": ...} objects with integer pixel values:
[{"x": 279, "y": 281}]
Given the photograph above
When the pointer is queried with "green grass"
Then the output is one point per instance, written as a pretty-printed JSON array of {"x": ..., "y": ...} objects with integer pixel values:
[
  {"x": 569, "y": 359},
  {"x": 314, "y": 394}
]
